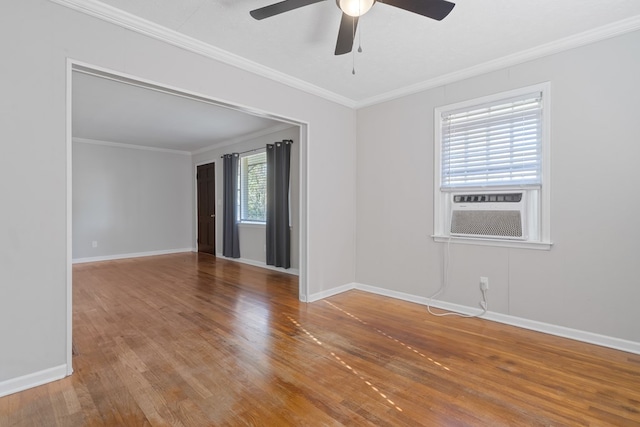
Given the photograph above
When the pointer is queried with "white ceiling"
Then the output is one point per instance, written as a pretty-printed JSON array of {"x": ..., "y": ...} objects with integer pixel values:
[
  {"x": 402, "y": 53},
  {"x": 114, "y": 111}
]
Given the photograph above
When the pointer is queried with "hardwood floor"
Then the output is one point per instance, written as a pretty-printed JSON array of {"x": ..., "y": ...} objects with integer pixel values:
[{"x": 193, "y": 340}]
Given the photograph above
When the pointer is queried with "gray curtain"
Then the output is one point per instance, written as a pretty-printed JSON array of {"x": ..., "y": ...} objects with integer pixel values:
[
  {"x": 231, "y": 238},
  {"x": 278, "y": 232}
]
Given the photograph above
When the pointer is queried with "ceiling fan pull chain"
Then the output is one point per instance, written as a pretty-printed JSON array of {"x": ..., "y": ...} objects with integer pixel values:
[
  {"x": 353, "y": 55},
  {"x": 360, "y": 39}
]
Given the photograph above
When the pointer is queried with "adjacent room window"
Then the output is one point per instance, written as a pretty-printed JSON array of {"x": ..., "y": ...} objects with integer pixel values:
[
  {"x": 486, "y": 151},
  {"x": 253, "y": 188}
]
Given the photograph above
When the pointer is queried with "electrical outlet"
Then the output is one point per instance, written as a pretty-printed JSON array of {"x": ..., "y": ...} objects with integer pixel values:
[
  {"x": 94, "y": 244},
  {"x": 484, "y": 283}
]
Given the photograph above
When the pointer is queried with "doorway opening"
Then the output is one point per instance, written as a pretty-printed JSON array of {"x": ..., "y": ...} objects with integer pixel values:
[{"x": 75, "y": 68}]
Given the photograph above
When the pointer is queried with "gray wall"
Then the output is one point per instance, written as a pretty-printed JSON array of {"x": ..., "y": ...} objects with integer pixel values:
[
  {"x": 252, "y": 236},
  {"x": 130, "y": 201},
  {"x": 36, "y": 38},
  {"x": 588, "y": 280}
]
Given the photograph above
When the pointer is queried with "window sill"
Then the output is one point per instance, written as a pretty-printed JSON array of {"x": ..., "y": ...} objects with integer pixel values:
[
  {"x": 256, "y": 225},
  {"x": 252, "y": 224},
  {"x": 520, "y": 244}
]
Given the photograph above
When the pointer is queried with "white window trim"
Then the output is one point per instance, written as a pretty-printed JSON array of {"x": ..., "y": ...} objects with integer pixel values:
[{"x": 440, "y": 204}]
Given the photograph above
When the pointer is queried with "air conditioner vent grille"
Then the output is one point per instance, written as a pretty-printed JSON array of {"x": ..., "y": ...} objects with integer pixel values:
[{"x": 505, "y": 223}]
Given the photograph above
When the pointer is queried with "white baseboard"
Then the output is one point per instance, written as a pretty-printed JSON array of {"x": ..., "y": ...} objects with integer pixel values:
[
  {"x": 331, "y": 292},
  {"x": 561, "y": 331},
  {"x": 547, "y": 328},
  {"x": 131, "y": 255},
  {"x": 292, "y": 271},
  {"x": 35, "y": 379}
]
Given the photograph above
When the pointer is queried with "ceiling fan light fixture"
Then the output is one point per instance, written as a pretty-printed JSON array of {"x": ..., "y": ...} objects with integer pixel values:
[{"x": 355, "y": 8}]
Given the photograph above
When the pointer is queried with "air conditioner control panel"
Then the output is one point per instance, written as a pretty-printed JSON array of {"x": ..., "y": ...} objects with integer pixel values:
[{"x": 488, "y": 198}]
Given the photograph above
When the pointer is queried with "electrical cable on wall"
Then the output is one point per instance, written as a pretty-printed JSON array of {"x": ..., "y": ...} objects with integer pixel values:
[{"x": 446, "y": 261}]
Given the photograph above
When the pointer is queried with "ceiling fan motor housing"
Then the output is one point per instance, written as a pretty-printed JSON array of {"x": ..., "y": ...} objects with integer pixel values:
[{"x": 355, "y": 7}]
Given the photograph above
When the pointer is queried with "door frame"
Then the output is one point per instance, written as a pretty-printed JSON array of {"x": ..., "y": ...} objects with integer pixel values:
[{"x": 72, "y": 66}]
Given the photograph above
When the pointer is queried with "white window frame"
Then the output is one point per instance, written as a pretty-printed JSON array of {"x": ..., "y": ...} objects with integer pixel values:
[
  {"x": 538, "y": 196},
  {"x": 242, "y": 183}
]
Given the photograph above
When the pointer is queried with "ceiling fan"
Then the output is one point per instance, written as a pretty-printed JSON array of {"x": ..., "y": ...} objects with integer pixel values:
[{"x": 353, "y": 9}]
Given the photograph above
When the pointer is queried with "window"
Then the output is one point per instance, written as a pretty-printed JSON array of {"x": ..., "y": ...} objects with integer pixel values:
[
  {"x": 253, "y": 188},
  {"x": 488, "y": 150},
  {"x": 493, "y": 144}
]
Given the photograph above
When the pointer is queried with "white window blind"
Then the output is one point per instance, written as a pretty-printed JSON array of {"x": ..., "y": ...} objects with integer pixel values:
[
  {"x": 253, "y": 188},
  {"x": 497, "y": 143}
]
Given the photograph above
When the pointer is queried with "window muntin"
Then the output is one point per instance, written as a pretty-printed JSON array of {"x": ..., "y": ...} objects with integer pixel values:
[{"x": 253, "y": 188}]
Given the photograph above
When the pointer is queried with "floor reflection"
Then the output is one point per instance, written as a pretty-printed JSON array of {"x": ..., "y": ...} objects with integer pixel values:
[
  {"x": 345, "y": 364},
  {"x": 408, "y": 347}
]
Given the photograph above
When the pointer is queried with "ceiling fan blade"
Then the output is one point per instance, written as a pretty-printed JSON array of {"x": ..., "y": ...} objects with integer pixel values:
[
  {"x": 281, "y": 7},
  {"x": 434, "y": 9},
  {"x": 346, "y": 33}
]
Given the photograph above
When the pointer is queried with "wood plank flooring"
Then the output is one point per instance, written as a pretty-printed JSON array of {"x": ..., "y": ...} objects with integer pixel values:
[{"x": 191, "y": 340}]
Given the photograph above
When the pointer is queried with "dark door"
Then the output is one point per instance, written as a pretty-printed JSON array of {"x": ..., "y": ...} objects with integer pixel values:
[{"x": 206, "y": 178}]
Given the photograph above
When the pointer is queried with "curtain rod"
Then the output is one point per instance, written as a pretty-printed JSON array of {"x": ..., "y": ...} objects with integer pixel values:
[{"x": 257, "y": 149}]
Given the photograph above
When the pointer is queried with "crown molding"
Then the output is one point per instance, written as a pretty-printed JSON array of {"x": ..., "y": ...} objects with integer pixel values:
[
  {"x": 132, "y": 22},
  {"x": 232, "y": 141},
  {"x": 130, "y": 146},
  {"x": 588, "y": 37},
  {"x": 243, "y": 138},
  {"x": 124, "y": 19}
]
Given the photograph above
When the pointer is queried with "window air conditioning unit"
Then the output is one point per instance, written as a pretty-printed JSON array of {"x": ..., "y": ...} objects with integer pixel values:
[{"x": 490, "y": 215}]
